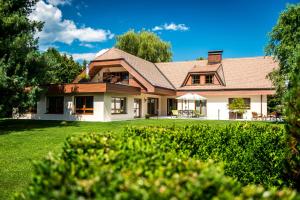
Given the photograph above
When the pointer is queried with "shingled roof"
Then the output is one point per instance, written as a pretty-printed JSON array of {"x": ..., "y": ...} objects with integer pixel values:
[
  {"x": 238, "y": 73},
  {"x": 147, "y": 69}
]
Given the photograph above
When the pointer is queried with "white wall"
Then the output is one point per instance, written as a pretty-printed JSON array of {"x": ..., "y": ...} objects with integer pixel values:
[
  {"x": 217, "y": 106},
  {"x": 98, "y": 114}
]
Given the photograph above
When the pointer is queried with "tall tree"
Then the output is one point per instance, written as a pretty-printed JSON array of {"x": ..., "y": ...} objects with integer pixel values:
[
  {"x": 59, "y": 68},
  {"x": 18, "y": 54},
  {"x": 146, "y": 45},
  {"x": 284, "y": 45}
]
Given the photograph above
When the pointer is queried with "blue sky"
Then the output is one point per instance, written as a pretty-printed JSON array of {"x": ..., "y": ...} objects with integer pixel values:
[{"x": 83, "y": 28}]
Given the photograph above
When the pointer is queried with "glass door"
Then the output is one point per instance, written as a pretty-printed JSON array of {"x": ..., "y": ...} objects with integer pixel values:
[
  {"x": 171, "y": 105},
  {"x": 152, "y": 106},
  {"x": 137, "y": 108}
]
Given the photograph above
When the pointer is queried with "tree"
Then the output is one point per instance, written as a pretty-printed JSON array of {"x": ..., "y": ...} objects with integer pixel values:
[
  {"x": 59, "y": 68},
  {"x": 18, "y": 55},
  {"x": 146, "y": 45},
  {"x": 237, "y": 106},
  {"x": 200, "y": 58},
  {"x": 284, "y": 45}
]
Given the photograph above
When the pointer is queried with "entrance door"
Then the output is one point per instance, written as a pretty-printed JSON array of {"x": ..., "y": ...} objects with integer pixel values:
[
  {"x": 137, "y": 108},
  {"x": 171, "y": 105},
  {"x": 152, "y": 106}
]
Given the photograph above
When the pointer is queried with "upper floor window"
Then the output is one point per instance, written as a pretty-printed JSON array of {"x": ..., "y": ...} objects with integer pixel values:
[
  {"x": 118, "y": 105},
  {"x": 55, "y": 104},
  {"x": 195, "y": 79},
  {"x": 84, "y": 105},
  {"x": 116, "y": 77},
  {"x": 209, "y": 79}
]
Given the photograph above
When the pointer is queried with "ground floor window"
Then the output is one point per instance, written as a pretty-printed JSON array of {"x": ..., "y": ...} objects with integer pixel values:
[
  {"x": 55, "y": 104},
  {"x": 247, "y": 102},
  {"x": 84, "y": 105},
  {"x": 118, "y": 105}
]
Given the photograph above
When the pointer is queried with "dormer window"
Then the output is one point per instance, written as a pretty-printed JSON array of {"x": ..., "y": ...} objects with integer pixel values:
[
  {"x": 209, "y": 79},
  {"x": 196, "y": 79}
]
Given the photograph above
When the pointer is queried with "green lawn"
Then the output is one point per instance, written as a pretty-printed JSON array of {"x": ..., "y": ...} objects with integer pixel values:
[{"x": 22, "y": 141}]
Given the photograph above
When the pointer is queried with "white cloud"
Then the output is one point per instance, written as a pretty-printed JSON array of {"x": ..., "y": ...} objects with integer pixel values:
[
  {"x": 171, "y": 27},
  {"x": 57, "y": 29},
  {"x": 59, "y": 2},
  {"x": 86, "y": 45},
  {"x": 88, "y": 56}
]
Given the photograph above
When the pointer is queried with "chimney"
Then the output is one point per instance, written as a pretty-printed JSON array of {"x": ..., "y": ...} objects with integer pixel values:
[{"x": 215, "y": 57}]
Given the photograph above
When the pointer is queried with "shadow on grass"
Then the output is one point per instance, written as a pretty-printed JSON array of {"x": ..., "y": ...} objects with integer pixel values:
[{"x": 13, "y": 125}]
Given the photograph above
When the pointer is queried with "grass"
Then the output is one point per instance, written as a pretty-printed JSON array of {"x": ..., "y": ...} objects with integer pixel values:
[{"x": 22, "y": 141}]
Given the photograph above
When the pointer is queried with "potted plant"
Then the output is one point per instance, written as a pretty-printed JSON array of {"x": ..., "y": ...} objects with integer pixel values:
[{"x": 238, "y": 107}]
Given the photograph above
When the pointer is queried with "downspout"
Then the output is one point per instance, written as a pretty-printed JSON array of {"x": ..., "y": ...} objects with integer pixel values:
[{"x": 261, "y": 97}]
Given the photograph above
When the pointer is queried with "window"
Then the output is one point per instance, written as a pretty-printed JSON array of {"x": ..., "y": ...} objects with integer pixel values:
[
  {"x": 116, "y": 77},
  {"x": 84, "y": 105},
  {"x": 55, "y": 105},
  {"x": 247, "y": 102},
  {"x": 118, "y": 105},
  {"x": 195, "y": 79},
  {"x": 209, "y": 79}
]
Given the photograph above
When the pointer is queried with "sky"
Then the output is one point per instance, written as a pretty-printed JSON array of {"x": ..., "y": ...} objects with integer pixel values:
[{"x": 85, "y": 28}]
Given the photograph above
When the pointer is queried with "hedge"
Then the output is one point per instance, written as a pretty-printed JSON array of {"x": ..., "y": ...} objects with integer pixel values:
[{"x": 162, "y": 163}]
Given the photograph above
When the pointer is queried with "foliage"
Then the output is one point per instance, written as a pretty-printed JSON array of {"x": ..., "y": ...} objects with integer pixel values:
[
  {"x": 59, "y": 68},
  {"x": 284, "y": 40},
  {"x": 146, "y": 45},
  {"x": 284, "y": 45},
  {"x": 274, "y": 104},
  {"x": 18, "y": 55},
  {"x": 237, "y": 106},
  {"x": 200, "y": 58},
  {"x": 163, "y": 163}
]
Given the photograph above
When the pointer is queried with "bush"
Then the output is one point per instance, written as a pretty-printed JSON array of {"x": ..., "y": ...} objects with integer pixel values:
[{"x": 154, "y": 163}]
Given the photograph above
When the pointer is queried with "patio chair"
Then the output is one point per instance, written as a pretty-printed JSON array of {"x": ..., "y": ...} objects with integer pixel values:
[
  {"x": 175, "y": 113},
  {"x": 256, "y": 116}
]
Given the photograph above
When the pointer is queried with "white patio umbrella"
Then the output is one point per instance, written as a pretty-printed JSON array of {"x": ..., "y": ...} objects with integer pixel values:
[{"x": 190, "y": 96}]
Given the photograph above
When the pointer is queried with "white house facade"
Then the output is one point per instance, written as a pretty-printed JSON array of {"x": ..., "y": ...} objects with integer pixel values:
[{"x": 120, "y": 86}]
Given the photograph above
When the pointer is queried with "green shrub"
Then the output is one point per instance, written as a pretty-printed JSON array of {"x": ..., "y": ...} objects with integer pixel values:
[
  {"x": 250, "y": 152},
  {"x": 155, "y": 163}
]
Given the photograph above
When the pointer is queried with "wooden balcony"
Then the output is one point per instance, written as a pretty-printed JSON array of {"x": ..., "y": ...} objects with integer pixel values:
[{"x": 75, "y": 88}]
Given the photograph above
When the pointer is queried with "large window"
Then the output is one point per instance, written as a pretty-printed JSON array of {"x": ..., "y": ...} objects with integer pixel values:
[
  {"x": 209, "y": 79},
  {"x": 116, "y": 77},
  {"x": 195, "y": 79},
  {"x": 84, "y": 105},
  {"x": 118, "y": 105},
  {"x": 247, "y": 102},
  {"x": 55, "y": 105}
]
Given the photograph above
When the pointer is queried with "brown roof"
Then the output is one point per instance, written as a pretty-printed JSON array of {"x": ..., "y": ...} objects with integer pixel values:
[
  {"x": 147, "y": 69},
  {"x": 236, "y": 73},
  {"x": 239, "y": 73}
]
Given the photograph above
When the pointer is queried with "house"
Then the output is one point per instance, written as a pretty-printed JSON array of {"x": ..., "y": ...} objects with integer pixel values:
[{"x": 120, "y": 86}]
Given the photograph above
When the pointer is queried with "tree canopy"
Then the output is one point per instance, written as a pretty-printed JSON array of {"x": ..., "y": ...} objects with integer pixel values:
[
  {"x": 59, "y": 68},
  {"x": 284, "y": 45},
  {"x": 18, "y": 54},
  {"x": 146, "y": 45}
]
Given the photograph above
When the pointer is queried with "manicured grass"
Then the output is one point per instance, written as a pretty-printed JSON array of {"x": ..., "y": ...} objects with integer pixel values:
[{"x": 22, "y": 141}]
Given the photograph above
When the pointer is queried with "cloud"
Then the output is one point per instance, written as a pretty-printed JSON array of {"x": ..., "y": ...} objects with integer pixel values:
[
  {"x": 88, "y": 56},
  {"x": 57, "y": 29},
  {"x": 86, "y": 45},
  {"x": 171, "y": 27},
  {"x": 59, "y": 2}
]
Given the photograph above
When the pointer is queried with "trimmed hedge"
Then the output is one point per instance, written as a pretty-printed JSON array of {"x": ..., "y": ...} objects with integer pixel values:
[
  {"x": 252, "y": 153},
  {"x": 161, "y": 163}
]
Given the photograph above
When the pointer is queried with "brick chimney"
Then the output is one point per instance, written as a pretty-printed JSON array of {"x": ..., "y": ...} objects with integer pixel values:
[{"x": 215, "y": 57}]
